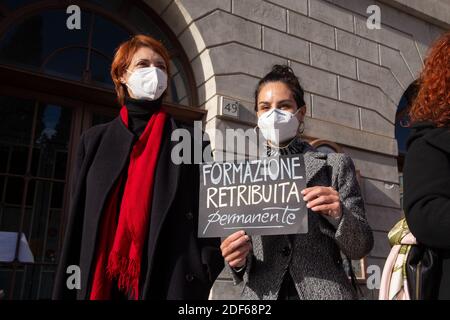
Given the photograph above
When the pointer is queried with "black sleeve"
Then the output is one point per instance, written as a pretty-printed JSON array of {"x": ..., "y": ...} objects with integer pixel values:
[
  {"x": 210, "y": 247},
  {"x": 427, "y": 194},
  {"x": 71, "y": 245}
]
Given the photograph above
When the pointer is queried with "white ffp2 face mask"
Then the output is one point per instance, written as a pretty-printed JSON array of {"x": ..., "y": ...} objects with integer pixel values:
[
  {"x": 278, "y": 126},
  {"x": 147, "y": 83}
]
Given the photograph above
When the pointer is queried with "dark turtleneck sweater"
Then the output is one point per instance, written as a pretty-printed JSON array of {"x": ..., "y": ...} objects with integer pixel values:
[{"x": 139, "y": 112}]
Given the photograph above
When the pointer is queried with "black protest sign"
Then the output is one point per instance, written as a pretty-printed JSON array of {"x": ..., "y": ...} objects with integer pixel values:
[{"x": 259, "y": 196}]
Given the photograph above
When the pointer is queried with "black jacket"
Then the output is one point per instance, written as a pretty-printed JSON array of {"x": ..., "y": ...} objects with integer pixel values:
[
  {"x": 176, "y": 264},
  {"x": 426, "y": 177}
]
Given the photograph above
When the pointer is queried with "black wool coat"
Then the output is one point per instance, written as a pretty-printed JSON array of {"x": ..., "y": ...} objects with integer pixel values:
[
  {"x": 426, "y": 177},
  {"x": 176, "y": 264}
]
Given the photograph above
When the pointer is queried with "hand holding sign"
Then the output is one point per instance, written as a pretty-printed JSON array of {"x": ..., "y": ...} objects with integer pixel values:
[{"x": 323, "y": 200}]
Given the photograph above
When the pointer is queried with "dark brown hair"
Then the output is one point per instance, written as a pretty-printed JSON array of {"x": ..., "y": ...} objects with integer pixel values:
[{"x": 282, "y": 73}]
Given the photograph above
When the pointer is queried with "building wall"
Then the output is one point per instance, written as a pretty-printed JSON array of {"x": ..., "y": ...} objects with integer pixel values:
[{"x": 353, "y": 76}]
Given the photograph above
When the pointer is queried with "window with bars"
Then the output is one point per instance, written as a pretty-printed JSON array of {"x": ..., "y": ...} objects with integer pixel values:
[{"x": 34, "y": 141}]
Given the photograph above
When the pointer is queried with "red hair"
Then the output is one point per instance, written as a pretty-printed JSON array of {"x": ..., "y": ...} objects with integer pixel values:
[
  {"x": 433, "y": 99},
  {"x": 124, "y": 54}
]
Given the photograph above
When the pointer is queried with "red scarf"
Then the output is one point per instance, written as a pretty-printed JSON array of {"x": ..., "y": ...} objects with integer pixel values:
[{"x": 120, "y": 244}]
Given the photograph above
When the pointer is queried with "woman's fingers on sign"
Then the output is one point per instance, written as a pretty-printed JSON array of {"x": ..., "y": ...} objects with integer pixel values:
[
  {"x": 324, "y": 200},
  {"x": 233, "y": 243},
  {"x": 235, "y": 249},
  {"x": 238, "y": 258},
  {"x": 231, "y": 238}
]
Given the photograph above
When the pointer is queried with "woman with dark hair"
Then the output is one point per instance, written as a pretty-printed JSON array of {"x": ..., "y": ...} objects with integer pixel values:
[
  {"x": 426, "y": 172},
  {"x": 302, "y": 266},
  {"x": 133, "y": 214}
]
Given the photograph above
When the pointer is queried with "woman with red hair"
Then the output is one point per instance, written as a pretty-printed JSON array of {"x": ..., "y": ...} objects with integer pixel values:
[
  {"x": 427, "y": 164},
  {"x": 132, "y": 227}
]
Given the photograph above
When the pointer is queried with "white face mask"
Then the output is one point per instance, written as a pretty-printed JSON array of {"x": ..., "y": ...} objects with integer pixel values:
[
  {"x": 278, "y": 126},
  {"x": 147, "y": 83}
]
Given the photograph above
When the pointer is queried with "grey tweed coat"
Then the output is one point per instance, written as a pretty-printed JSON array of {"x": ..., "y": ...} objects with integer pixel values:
[{"x": 313, "y": 259}]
